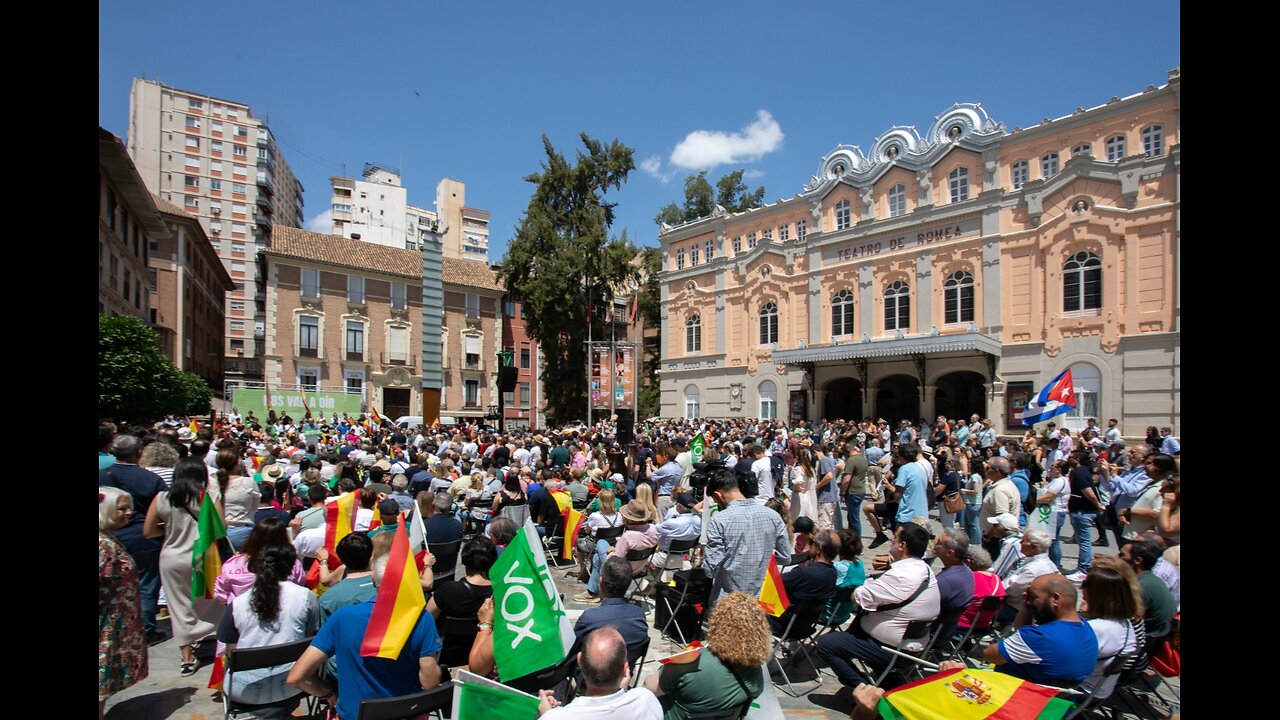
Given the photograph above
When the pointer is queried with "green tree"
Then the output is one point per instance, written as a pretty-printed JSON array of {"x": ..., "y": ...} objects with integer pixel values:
[
  {"x": 565, "y": 267},
  {"x": 194, "y": 394},
  {"x": 700, "y": 198},
  {"x": 135, "y": 380},
  {"x": 732, "y": 194}
]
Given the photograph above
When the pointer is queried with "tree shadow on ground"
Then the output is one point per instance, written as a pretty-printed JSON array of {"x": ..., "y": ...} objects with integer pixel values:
[{"x": 152, "y": 706}]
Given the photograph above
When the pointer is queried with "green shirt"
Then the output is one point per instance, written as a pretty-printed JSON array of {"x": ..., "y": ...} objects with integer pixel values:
[
  {"x": 855, "y": 466},
  {"x": 311, "y": 518},
  {"x": 1159, "y": 604},
  {"x": 707, "y": 685},
  {"x": 351, "y": 591}
]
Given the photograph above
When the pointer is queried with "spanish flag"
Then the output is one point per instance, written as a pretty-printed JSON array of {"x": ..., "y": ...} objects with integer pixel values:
[
  {"x": 303, "y": 392},
  {"x": 194, "y": 427},
  {"x": 375, "y": 417},
  {"x": 206, "y": 561},
  {"x": 339, "y": 522},
  {"x": 773, "y": 596},
  {"x": 572, "y": 526},
  {"x": 969, "y": 694},
  {"x": 563, "y": 500},
  {"x": 398, "y": 605}
]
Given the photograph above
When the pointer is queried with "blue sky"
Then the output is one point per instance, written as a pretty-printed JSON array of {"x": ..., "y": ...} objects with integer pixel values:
[{"x": 465, "y": 89}]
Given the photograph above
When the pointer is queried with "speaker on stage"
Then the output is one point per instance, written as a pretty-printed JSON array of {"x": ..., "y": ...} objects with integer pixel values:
[{"x": 626, "y": 429}]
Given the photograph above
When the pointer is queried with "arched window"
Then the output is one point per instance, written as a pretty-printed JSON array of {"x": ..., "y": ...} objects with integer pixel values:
[
  {"x": 1049, "y": 165},
  {"x": 693, "y": 254},
  {"x": 1082, "y": 149},
  {"x": 751, "y": 241},
  {"x": 898, "y": 200},
  {"x": 1086, "y": 381},
  {"x": 769, "y": 324},
  {"x": 680, "y": 259},
  {"x": 710, "y": 250},
  {"x": 801, "y": 230},
  {"x": 842, "y": 313},
  {"x": 768, "y": 400},
  {"x": 897, "y": 307},
  {"x": 1115, "y": 148},
  {"x": 958, "y": 297},
  {"x": 1153, "y": 140},
  {"x": 693, "y": 334},
  {"x": 959, "y": 179},
  {"x": 842, "y": 215},
  {"x": 691, "y": 406},
  {"x": 1082, "y": 283},
  {"x": 1019, "y": 174}
]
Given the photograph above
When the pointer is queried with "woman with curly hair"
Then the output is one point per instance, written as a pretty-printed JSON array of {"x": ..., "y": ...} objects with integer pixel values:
[{"x": 728, "y": 672}]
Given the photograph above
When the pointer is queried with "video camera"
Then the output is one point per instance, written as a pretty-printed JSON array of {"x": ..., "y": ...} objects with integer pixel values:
[{"x": 702, "y": 473}]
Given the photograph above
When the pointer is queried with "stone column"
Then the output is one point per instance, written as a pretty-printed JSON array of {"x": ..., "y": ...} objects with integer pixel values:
[
  {"x": 928, "y": 394},
  {"x": 868, "y": 400}
]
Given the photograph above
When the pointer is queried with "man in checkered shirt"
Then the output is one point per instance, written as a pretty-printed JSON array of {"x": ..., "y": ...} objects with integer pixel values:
[{"x": 740, "y": 539}]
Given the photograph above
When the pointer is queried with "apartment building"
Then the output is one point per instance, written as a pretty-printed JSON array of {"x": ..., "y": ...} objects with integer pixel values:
[
  {"x": 189, "y": 285},
  {"x": 522, "y": 406},
  {"x": 215, "y": 160},
  {"x": 128, "y": 222},
  {"x": 470, "y": 339}
]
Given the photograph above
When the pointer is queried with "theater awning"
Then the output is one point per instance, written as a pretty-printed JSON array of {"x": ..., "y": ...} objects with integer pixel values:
[{"x": 891, "y": 347}]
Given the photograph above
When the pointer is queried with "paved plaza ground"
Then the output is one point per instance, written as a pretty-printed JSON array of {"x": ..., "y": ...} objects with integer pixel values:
[{"x": 166, "y": 694}]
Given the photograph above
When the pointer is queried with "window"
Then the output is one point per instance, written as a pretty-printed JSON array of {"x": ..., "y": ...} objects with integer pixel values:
[
  {"x": 1082, "y": 283},
  {"x": 215, "y": 184},
  {"x": 959, "y": 179},
  {"x": 471, "y": 392},
  {"x": 842, "y": 215},
  {"x": 751, "y": 241},
  {"x": 710, "y": 250},
  {"x": 309, "y": 378},
  {"x": 768, "y": 400},
  {"x": 471, "y": 347},
  {"x": 784, "y": 233},
  {"x": 769, "y": 324},
  {"x": 766, "y": 235},
  {"x": 1086, "y": 381},
  {"x": 691, "y": 410},
  {"x": 193, "y": 122},
  {"x": 355, "y": 289},
  {"x": 897, "y": 200},
  {"x": 800, "y": 230},
  {"x": 237, "y": 305},
  {"x": 1115, "y": 148},
  {"x": 842, "y": 313},
  {"x": 526, "y": 358},
  {"x": 399, "y": 295},
  {"x": 473, "y": 305},
  {"x": 196, "y": 104},
  {"x": 355, "y": 340},
  {"x": 354, "y": 383},
  {"x": 237, "y": 188},
  {"x": 1019, "y": 173},
  {"x": 237, "y": 247},
  {"x": 897, "y": 307},
  {"x": 241, "y": 132},
  {"x": 215, "y": 146},
  {"x": 310, "y": 282},
  {"x": 1082, "y": 149},
  {"x": 509, "y": 398},
  {"x": 238, "y": 228},
  {"x": 236, "y": 326},
  {"x": 191, "y": 202},
  {"x": 237, "y": 345},
  {"x": 215, "y": 126},
  {"x": 693, "y": 334},
  {"x": 193, "y": 162},
  {"x": 240, "y": 208},
  {"x": 1049, "y": 165},
  {"x": 524, "y": 395},
  {"x": 193, "y": 142},
  {"x": 693, "y": 254},
  {"x": 737, "y": 244},
  {"x": 239, "y": 151},
  {"x": 239, "y": 171},
  {"x": 509, "y": 308},
  {"x": 1153, "y": 140},
  {"x": 237, "y": 267},
  {"x": 308, "y": 336},
  {"x": 215, "y": 226},
  {"x": 958, "y": 298},
  {"x": 680, "y": 259}
]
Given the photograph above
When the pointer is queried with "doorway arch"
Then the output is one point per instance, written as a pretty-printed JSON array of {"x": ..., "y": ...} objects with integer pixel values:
[
  {"x": 960, "y": 394},
  {"x": 898, "y": 398},
  {"x": 843, "y": 399}
]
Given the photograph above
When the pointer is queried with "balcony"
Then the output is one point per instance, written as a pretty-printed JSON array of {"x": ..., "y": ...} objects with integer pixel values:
[
  {"x": 265, "y": 182},
  {"x": 400, "y": 359},
  {"x": 308, "y": 352},
  {"x": 355, "y": 356},
  {"x": 264, "y": 201}
]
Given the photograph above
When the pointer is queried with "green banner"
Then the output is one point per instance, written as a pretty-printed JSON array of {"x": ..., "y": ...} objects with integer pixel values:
[
  {"x": 530, "y": 629},
  {"x": 290, "y": 401},
  {"x": 478, "y": 697},
  {"x": 697, "y": 448}
]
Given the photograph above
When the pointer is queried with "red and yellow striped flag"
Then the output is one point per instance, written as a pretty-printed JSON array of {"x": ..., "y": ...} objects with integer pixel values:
[
  {"x": 375, "y": 417},
  {"x": 572, "y": 526},
  {"x": 398, "y": 605},
  {"x": 194, "y": 427},
  {"x": 339, "y": 522},
  {"x": 968, "y": 694},
  {"x": 773, "y": 596}
]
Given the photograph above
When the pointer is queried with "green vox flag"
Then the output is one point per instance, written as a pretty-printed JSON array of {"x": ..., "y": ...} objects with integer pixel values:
[
  {"x": 206, "y": 563},
  {"x": 530, "y": 629},
  {"x": 479, "y": 697},
  {"x": 697, "y": 447}
]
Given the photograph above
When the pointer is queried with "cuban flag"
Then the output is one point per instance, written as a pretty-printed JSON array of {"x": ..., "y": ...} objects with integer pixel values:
[{"x": 1056, "y": 398}]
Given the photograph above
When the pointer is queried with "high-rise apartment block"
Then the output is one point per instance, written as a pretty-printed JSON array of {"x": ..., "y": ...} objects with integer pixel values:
[
  {"x": 218, "y": 162},
  {"x": 375, "y": 209}
]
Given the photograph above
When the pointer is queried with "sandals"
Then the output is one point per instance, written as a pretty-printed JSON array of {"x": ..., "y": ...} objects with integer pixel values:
[{"x": 190, "y": 668}]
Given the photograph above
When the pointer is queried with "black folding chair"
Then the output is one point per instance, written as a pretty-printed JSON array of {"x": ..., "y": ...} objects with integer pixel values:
[
  {"x": 446, "y": 555},
  {"x": 457, "y": 634},
  {"x": 917, "y": 632},
  {"x": 546, "y": 678},
  {"x": 985, "y": 606},
  {"x": 240, "y": 660},
  {"x": 802, "y": 627},
  {"x": 638, "y": 577},
  {"x": 635, "y": 659},
  {"x": 1094, "y": 697},
  {"x": 684, "y": 584},
  {"x": 407, "y": 707}
]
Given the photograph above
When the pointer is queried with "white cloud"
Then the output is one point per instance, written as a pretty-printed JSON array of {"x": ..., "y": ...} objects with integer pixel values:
[
  {"x": 752, "y": 174},
  {"x": 708, "y": 148},
  {"x": 653, "y": 166},
  {"x": 322, "y": 223}
]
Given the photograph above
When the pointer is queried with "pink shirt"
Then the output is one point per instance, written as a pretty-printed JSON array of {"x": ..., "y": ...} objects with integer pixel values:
[
  {"x": 236, "y": 579},
  {"x": 636, "y": 537},
  {"x": 985, "y": 585}
]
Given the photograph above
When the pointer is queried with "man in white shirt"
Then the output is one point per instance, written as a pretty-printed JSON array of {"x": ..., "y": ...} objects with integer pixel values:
[
  {"x": 1034, "y": 562},
  {"x": 1113, "y": 432},
  {"x": 907, "y": 591},
  {"x": 605, "y": 673},
  {"x": 762, "y": 468},
  {"x": 521, "y": 454}
]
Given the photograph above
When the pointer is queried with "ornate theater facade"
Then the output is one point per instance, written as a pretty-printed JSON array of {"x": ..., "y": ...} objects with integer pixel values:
[{"x": 948, "y": 273}]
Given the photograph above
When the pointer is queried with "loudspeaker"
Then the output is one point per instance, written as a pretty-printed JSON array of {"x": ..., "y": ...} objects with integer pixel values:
[
  {"x": 507, "y": 377},
  {"x": 626, "y": 429}
]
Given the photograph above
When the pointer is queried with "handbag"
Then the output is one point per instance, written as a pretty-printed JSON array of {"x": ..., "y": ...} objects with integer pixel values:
[{"x": 953, "y": 502}]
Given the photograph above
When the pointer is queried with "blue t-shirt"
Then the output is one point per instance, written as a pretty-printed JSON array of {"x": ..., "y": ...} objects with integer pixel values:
[
  {"x": 828, "y": 493},
  {"x": 1059, "y": 653},
  {"x": 910, "y": 477},
  {"x": 373, "y": 677}
]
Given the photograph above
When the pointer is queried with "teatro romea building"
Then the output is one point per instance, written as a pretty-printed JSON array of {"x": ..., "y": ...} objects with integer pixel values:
[{"x": 948, "y": 273}]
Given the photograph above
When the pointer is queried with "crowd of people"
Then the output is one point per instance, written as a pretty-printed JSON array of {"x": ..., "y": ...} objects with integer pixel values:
[{"x": 961, "y": 510}]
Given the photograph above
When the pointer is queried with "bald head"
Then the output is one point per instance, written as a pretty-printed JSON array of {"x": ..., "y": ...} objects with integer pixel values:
[
  {"x": 1000, "y": 465},
  {"x": 1056, "y": 584},
  {"x": 603, "y": 661}
]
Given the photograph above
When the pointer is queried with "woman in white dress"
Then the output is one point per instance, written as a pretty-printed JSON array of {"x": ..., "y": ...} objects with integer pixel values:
[{"x": 804, "y": 491}]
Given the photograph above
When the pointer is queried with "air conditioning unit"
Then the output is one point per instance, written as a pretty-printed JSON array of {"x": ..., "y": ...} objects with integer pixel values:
[{"x": 217, "y": 210}]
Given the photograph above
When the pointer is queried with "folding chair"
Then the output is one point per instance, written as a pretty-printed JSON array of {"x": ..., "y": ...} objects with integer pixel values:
[
  {"x": 986, "y": 606},
  {"x": 801, "y": 627},
  {"x": 546, "y": 678},
  {"x": 240, "y": 660},
  {"x": 945, "y": 624},
  {"x": 684, "y": 585},
  {"x": 1086, "y": 700},
  {"x": 637, "y": 578},
  {"x": 635, "y": 659},
  {"x": 435, "y": 701},
  {"x": 917, "y": 632},
  {"x": 675, "y": 557},
  {"x": 457, "y": 634},
  {"x": 446, "y": 555}
]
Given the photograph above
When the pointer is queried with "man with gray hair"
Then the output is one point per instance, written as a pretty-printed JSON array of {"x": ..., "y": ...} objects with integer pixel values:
[
  {"x": 400, "y": 493},
  {"x": 1000, "y": 498},
  {"x": 1034, "y": 562},
  {"x": 143, "y": 486},
  {"x": 955, "y": 580}
]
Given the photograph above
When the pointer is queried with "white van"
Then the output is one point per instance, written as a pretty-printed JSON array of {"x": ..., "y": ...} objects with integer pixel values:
[{"x": 408, "y": 422}]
